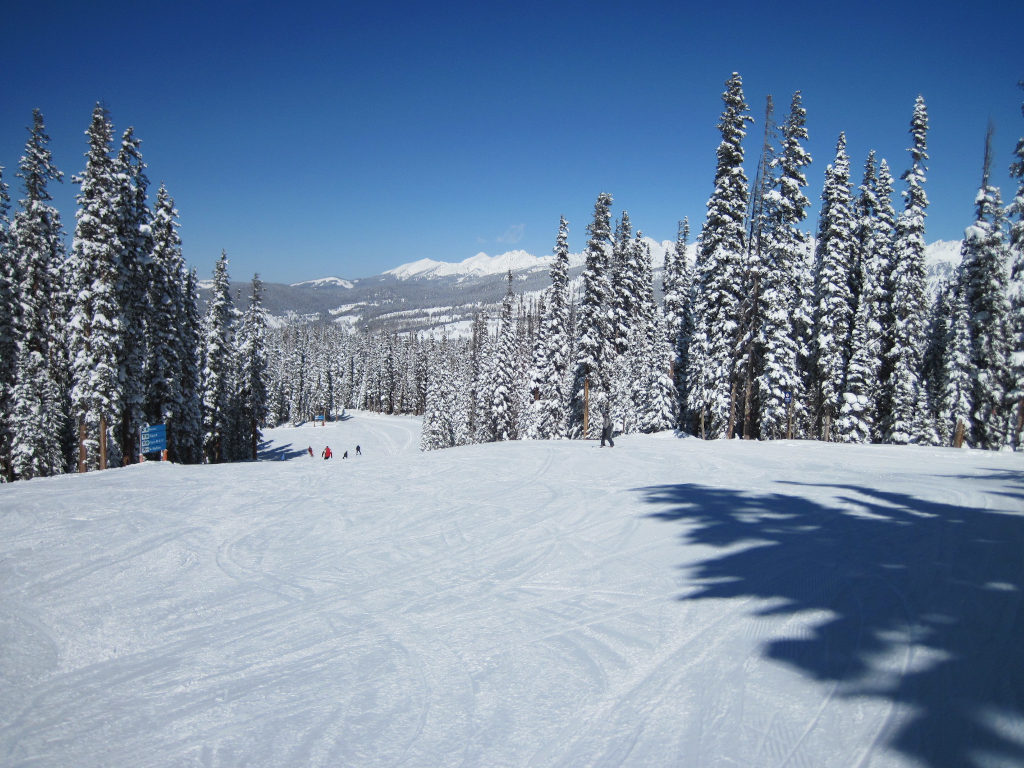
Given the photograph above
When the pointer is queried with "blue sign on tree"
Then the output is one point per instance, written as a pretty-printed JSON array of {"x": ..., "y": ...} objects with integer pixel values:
[{"x": 153, "y": 438}]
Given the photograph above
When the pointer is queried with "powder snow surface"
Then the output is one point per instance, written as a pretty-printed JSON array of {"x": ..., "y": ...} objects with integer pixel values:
[{"x": 668, "y": 602}]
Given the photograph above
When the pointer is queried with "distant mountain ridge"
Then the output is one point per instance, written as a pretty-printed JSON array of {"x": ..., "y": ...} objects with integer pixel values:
[{"x": 443, "y": 297}]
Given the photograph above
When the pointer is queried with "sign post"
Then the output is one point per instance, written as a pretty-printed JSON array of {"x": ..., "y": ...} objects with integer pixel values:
[{"x": 153, "y": 438}]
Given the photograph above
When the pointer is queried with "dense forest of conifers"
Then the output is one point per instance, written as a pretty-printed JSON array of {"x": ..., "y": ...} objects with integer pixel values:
[{"x": 770, "y": 333}]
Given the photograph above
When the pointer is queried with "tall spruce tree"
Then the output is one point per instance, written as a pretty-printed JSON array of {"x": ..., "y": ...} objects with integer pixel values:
[
  {"x": 780, "y": 384},
  {"x": 677, "y": 288},
  {"x": 593, "y": 347},
  {"x": 717, "y": 305},
  {"x": 135, "y": 238},
  {"x": 504, "y": 402},
  {"x": 1015, "y": 212},
  {"x": 217, "y": 367},
  {"x": 907, "y": 290},
  {"x": 549, "y": 378},
  {"x": 834, "y": 302},
  {"x": 252, "y": 382},
  {"x": 859, "y": 411},
  {"x": 36, "y": 260},
  {"x": 96, "y": 324},
  {"x": 983, "y": 276},
  {"x": 163, "y": 384},
  {"x": 189, "y": 434},
  {"x": 8, "y": 340},
  {"x": 884, "y": 244},
  {"x": 957, "y": 384}
]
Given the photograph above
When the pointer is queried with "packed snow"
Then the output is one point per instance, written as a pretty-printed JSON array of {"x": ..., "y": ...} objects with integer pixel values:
[{"x": 667, "y": 602}]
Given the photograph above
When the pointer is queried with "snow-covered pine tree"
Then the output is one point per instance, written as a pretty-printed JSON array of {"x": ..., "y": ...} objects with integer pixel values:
[
  {"x": 550, "y": 375},
  {"x": 134, "y": 235},
  {"x": 785, "y": 207},
  {"x": 37, "y": 449},
  {"x": 907, "y": 290},
  {"x": 678, "y": 291},
  {"x": 8, "y": 342},
  {"x": 883, "y": 245},
  {"x": 252, "y": 383},
  {"x": 36, "y": 258},
  {"x": 96, "y": 324},
  {"x": 750, "y": 361},
  {"x": 1015, "y": 212},
  {"x": 983, "y": 274},
  {"x": 163, "y": 383},
  {"x": 834, "y": 302},
  {"x": 957, "y": 384},
  {"x": 718, "y": 277},
  {"x": 593, "y": 345},
  {"x": 504, "y": 400},
  {"x": 217, "y": 366},
  {"x": 859, "y": 411},
  {"x": 443, "y": 422},
  {"x": 189, "y": 433},
  {"x": 623, "y": 300},
  {"x": 654, "y": 392}
]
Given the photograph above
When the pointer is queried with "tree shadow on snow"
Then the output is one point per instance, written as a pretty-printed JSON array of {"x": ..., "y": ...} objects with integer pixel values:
[
  {"x": 268, "y": 451},
  {"x": 923, "y": 602}
]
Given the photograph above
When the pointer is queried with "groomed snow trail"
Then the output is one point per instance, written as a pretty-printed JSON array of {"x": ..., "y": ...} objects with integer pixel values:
[{"x": 668, "y": 602}]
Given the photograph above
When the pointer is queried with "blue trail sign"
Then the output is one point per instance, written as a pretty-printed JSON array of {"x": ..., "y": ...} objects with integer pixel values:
[{"x": 152, "y": 438}]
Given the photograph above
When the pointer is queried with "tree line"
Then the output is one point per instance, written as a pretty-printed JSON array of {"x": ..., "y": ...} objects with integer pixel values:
[
  {"x": 769, "y": 334},
  {"x": 98, "y": 341}
]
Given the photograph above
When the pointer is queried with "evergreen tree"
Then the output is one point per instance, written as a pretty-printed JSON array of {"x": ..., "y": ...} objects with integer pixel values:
[
  {"x": 883, "y": 264},
  {"x": 8, "y": 340},
  {"x": 983, "y": 276},
  {"x": 134, "y": 236},
  {"x": 443, "y": 419},
  {"x": 593, "y": 347},
  {"x": 717, "y": 304},
  {"x": 957, "y": 386},
  {"x": 834, "y": 300},
  {"x": 189, "y": 433},
  {"x": 96, "y": 324},
  {"x": 1015, "y": 211},
  {"x": 36, "y": 453},
  {"x": 677, "y": 289},
  {"x": 750, "y": 363},
  {"x": 859, "y": 411},
  {"x": 785, "y": 206},
  {"x": 252, "y": 382},
  {"x": 217, "y": 366},
  {"x": 549, "y": 379},
  {"x": 163, "y": 385},
  {"x": 907, "y": 290},
  {"x": 36, "y": 254},
  {"x": 504, "y": 403}
]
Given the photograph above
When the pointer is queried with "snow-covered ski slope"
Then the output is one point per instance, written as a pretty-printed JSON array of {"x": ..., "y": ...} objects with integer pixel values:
[{"x": 668, "y": 602}]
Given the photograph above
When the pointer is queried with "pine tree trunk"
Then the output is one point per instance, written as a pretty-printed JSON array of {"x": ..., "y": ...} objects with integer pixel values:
[
  {"x": 958, "y": 435},
  {"x": 732, "y": 411},
  {"x": 1020, "y": 424},
  {"x": 81, "y": 446},
  {"x": 103, "y": 442}
]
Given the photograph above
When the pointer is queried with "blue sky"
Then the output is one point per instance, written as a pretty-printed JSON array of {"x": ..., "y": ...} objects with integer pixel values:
[{"x": 343, "y": 139}]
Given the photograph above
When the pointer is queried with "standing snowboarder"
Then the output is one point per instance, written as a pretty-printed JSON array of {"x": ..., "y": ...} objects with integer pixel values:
[
  {"x": 359, "y": 451},
  {"x": 326, "y": 453},
  {"x": 606, "y": 428}
]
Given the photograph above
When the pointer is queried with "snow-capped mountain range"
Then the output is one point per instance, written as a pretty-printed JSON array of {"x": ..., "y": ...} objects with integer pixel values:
[{"x": 443, "y": 297}]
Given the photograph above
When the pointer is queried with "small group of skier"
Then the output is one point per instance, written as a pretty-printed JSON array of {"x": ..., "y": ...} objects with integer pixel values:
[{"x": 326, "y": 453}]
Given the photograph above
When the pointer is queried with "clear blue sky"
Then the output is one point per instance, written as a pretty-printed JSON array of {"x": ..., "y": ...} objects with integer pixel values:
[{"x": 322, "y": 139}]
